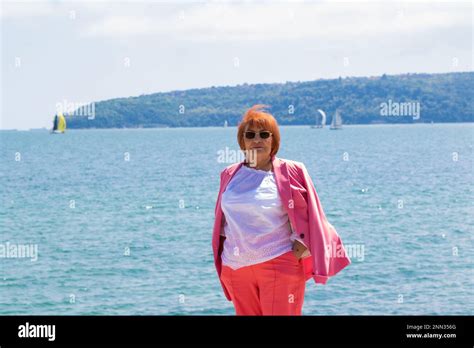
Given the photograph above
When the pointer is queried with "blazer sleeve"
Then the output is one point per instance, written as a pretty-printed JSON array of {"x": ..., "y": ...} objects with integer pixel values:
[{"x": 326, "y": 246}]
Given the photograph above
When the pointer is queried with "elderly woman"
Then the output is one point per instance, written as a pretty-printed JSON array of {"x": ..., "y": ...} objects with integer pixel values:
[{"x": 270, "y": 232}]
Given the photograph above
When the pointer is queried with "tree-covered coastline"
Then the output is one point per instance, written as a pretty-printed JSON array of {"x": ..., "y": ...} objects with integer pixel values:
[{"x": 446, "y": 97}]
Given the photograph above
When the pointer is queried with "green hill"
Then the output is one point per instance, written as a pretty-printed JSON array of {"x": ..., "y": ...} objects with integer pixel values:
[{"x": 441, "y": 97}]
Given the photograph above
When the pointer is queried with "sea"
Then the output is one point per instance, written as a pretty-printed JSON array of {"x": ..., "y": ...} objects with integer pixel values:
[{"x": 119, "y": 221}]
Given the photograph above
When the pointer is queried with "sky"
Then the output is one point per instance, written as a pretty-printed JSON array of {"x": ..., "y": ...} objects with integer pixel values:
[{"x": 59, "y": 52}]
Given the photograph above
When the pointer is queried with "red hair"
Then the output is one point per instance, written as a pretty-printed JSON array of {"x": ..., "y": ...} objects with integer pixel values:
[{"x": 255, "y": 116}]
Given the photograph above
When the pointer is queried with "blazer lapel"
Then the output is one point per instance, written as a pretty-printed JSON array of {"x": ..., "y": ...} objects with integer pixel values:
[
  {"x": 283, "y": 184},
  {"x": 230, "y": 174}
]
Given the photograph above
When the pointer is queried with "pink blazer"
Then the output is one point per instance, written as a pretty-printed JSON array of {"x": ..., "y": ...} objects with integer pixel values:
[{"x": 299, "y": 197}]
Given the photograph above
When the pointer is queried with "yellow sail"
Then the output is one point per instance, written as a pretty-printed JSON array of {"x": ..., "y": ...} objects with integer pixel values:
[{"x": 61, "y": 123}]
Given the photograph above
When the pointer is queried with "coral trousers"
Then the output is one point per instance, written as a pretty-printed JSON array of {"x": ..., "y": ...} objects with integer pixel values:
[{"x": 273, "y": 287}]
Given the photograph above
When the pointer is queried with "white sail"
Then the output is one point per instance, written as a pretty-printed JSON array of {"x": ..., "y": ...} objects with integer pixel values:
[
  {"x": 323, "y": 118},
  {"x": 336, "y": 122}
]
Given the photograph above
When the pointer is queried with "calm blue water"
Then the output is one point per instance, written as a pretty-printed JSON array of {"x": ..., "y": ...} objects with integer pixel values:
[{"x": 130, "y": 247}]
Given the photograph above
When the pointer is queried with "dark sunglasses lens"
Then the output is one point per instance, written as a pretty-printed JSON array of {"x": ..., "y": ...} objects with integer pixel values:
[
  {"x": 250, "y": 135},
  {"x": 264, "y": 135}
]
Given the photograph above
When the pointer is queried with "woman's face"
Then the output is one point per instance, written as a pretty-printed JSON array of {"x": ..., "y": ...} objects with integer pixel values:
[{"x": 257, "y": 148}]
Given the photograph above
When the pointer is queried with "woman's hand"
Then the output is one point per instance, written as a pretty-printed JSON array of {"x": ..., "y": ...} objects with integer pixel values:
[{"x": 299, "y": 249}]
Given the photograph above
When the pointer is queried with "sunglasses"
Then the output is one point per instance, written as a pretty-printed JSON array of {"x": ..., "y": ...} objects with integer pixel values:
[{"x": 263, "y": 134}]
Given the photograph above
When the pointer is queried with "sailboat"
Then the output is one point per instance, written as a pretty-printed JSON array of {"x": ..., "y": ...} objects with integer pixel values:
[
  {"x": 59, "y": 124},
  {"x": 336, "y": 122},
  {"x": 225, "y": 123},
  {"x": 323, "y": 120}
]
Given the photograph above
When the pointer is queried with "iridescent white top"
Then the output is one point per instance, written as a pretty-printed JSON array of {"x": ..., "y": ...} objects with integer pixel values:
[{"x": 256, "y": 225}]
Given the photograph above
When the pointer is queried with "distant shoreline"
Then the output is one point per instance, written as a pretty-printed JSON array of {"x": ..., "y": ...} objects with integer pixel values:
[{"x": 216, "y": 127}]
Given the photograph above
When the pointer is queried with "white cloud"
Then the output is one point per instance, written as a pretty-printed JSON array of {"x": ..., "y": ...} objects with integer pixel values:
[
  {"x": 120, "y": 26},
  {"x": 248, "y": 20},
  {"x": 277, "y": 21},
  {"x": 16, "y": 10}
]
